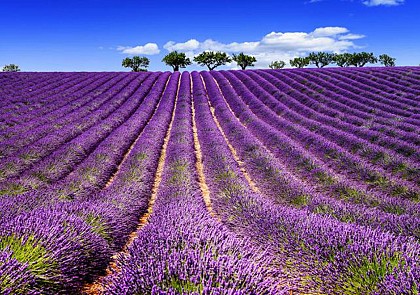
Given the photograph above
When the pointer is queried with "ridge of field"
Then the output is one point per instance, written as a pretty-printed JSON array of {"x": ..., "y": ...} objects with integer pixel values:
[{"x": 303, "y": 181}]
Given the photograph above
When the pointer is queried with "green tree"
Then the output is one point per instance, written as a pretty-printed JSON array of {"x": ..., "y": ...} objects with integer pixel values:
[
  {"x": 11, "y": 68},
  {"x": 244, "y": 60},
  {"x": 212, "y": 59},
  {"x": 300, "y": 62},
  {"x": 342, "y": 59},
  {"x": 362, "y": 58},
  {"x": 278, "y": 64},
  {"x": 176, "y": 60},
  {"x": 321, "y": 59},
  {"x": 137, "y": 63},
  {"x": 386, "y": 60}
]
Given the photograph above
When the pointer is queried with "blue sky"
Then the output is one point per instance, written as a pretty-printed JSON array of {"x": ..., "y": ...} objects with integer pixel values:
[{"x": 95, "y": 35}]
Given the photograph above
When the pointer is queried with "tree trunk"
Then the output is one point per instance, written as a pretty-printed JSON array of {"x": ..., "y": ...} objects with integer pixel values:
[{"x": 176, "y": 68}]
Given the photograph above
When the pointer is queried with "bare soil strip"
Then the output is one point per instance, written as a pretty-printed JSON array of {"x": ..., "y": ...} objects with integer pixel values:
[
  {"x": 248, "y": 178},
  {"x": 96, "y": 287},
  {"x": 114, "y": 175},
  {"x": 199, "y": 163}
]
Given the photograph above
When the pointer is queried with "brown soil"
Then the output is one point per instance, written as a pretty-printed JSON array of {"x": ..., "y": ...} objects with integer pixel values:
[
  {"x": 248, "y": 178},
  {"x": 114, "y": 175},
  {"x": 199, "y": 165},
  {"x": 96, "y": 287}
]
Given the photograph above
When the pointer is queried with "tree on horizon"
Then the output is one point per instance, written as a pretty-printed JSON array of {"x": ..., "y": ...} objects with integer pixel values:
[
  {"x": 277, "y": 64},
  {"x": 176, "y": 60},
  {"x": 212, "y": 59},
  {"x": 300, "y": 62},
  {"x": 244, "y": 60},
  {"x": 11, "y": 68},
  {"x": 137, "y": 63}
]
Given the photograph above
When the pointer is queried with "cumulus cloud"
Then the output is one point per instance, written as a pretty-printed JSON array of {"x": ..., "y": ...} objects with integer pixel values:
[
  {"x": 370, "y": 2},
  {"x": 383, "y": 2},
  {"x": 191, "y": 44},
  {"x": 147, "y": 49},
  {"x": 351, "y": 37},
  {"x": 276, "y": 45},
  {"x": 329, "y": 31}
]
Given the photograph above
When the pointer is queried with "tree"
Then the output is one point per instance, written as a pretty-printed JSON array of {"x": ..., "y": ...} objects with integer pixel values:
[
  {"x": 342, "y": 59},
  {"x": 362, "y": 58},
  {"x": 321, "y": 59},
  {"x": 176, "y": 60},
  {"x": 278, "y": 64},
  {"x": 212, "y": 59},
  {"x": 11, "y": 68},
  {"x": 299, "y": 62},
  {"x": 386, "y": 60},
  {"x": 244, "y": 60},
  {"x": 137, "y": 63}
]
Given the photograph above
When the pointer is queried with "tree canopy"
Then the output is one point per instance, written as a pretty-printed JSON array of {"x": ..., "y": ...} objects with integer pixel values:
[
  {"x": 386, "y": 60},
  {"x": 321, "y": 59},
  {"x": 278, "y": 64},
  {"x": 212, "y": 59},
  {"x": 342, "y": 59},
  {"x": 11, "y": 68},
  {"x": 360, "y": 59},
  {"x": 176, "y": 60},
  {"x": 244, "y": 60},
  {"x": 300, "y": 62},
  {"x": 137, "y": 63}
]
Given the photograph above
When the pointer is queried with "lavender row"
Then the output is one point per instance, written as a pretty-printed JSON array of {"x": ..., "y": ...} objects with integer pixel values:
[
  {"x": 72, "y": 103},
  {"x": 382, "y": 92},
  {"x": 59, "y": 96},
  {"x": 376, "y": 101},
  {"x": 398, "y": 145},
  {"x": 61, "y": 161},
  {"x": 96, "y": 170},
  {"x": 329, "y": 256},
  {"x": 279, "y": 143},
  {"x": 59, "y": 121},
  {"x": 181, "y": 242},
  {"x": 16, "y": 122},
  {"x": 254, "y": 93},
  {"x": 303, "y": 163},
  {"x": 392, "y": 81},
  {"x": 403, "y": 113},
  {"x": 43, "y": 147},
  {"x": 334, "y": 111},
  {"x": 283, "y": 187},
  {"x": 342, "y": 100},
  {"x": 11, "y": 113},
  {"x": 95, "y": 226},
  {"x": 24, "y": 85}
]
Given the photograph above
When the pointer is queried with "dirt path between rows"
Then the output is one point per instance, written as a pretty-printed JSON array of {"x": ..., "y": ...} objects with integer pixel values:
[
  {"x": 199, "y": 162},
  {"x": 128, "y": 152},
  {"x": 241, "y": 165},
  {"x": 96, "y": 287}
]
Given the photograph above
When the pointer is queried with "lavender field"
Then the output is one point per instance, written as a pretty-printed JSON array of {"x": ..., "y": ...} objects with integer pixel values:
[{"x": 302, "y": 181}]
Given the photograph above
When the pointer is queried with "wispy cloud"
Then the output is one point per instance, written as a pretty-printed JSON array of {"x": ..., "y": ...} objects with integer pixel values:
[
  {"x": 383, "y": 2},
  {"x": 370, "y": 2},
  {"x": 276, "y": 45},
  {"x": 147, "y": 49}
]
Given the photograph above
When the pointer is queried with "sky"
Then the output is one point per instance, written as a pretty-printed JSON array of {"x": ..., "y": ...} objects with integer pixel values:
[{"x": 96, "y": 35}]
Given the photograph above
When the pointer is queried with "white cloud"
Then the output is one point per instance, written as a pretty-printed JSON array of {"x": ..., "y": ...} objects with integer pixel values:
[
  {"x": 351, "y": 37},
  {"x": 147, "y": 49},
  {"x": 186, "y": 46},
  {"x": 276, "y": 45},
  {"x": 370, "y": 2},
  {"x": 329, "y": 31},
  {"x": 383, "y": 2}
]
